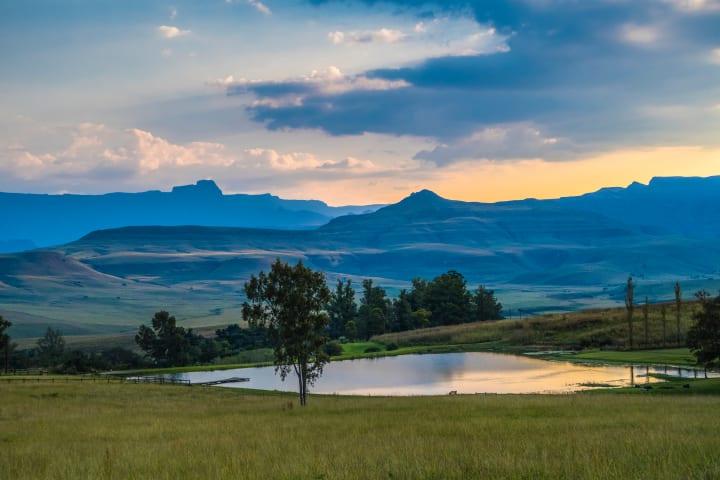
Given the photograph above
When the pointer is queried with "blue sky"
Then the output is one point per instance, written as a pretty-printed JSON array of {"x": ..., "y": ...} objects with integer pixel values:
[{"x": 358, "y": 101}]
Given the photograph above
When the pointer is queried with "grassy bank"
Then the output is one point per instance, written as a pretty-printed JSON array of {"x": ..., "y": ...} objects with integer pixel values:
[
  {"x": 577, "y": 330},
  {"x": 68, "y": 431},
  {"x": 667, "y": 356}
]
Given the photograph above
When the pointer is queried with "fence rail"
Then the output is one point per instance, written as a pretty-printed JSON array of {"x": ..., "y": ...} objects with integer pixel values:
[{"x": 111, "y": 379}]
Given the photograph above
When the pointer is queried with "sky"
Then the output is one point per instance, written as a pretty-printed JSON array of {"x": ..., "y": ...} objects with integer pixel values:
[{"x": 357, "y": 101}]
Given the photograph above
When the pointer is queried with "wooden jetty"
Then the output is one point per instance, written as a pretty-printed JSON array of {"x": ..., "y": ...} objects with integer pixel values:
[
  {"x": 182, "y": 381},
  {"x": 222, "y": 381}
]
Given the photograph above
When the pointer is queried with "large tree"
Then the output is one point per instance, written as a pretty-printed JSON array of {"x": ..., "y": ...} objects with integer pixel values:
[
  {"x": 485, "y": 305},
  {"x": 402, "y": 318},
  {"x": 342, "y": 308},
  {"x": 448, "y": 299},
  {"x": 51, "y": 347},
  {"x": 290, "y": 302},
  {"x": 166, "y": 343},
  {"x": 704, "y": 336},
  {"x": 373, "y": 311}
]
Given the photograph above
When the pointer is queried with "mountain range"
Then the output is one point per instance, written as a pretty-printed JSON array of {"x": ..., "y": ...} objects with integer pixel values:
[
  {"x": 539, "y": 255},
  {"x": 32, "y": 220}
]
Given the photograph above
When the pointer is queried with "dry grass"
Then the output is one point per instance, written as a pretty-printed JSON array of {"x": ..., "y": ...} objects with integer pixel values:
[
  {"x": 584, "y": 329},
  {"x": 100, "y": 431}
]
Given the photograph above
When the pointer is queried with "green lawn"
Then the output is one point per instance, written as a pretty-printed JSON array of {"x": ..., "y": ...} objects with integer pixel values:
[
  {"x": 667, "y": 356},
  {"x": 118, "y": 431}
]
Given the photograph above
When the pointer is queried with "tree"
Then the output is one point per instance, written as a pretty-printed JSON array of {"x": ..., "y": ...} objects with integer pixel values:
[
  {"x": 418, "y": 294},
  {"x": 646, "y": 314},
  {"x": 5, "y": 343},
  {"x": 448, "y": 299},
  {"x": 51, "y": 347},
  {"x": 678, "y": 307},
  {"x": 402, "y": 313},
  {"x": 630, "y": 306},
  {"x": 289, "y": 301},
  {"x": 342, "y": 308},
  {"x": 663, "y": 314},
  {"x": 704, "y": 335},
  {"x": 372, "y": 314},
  {"x": 166, "y": 343},
  {"x": 485, "y": 305}
]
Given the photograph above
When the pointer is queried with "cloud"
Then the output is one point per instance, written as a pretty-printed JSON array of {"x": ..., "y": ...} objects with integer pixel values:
[
  {"x": 695, "y": 5},
  {"x": 639, "y": 34},
  {"x": 96, "y": 152},
  {"x": 285, "y": 161},
  {"x": 330, "y": 81},
  {"x": 560, "y": 66},
  {"x": 170, "y": 32},
  {"x": 715, "y": 56},
  {"x": 507, "y": 142},
  {"x": 173, "y": 13},
  {"x": 439, "y": 36},
  {"x": 382, "y": 35},
  {"x": 260, "y": 7},
  {"x": 153, "y": 153}
]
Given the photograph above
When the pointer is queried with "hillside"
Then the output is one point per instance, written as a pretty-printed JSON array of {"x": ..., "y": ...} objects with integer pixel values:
[{"x": 538, "y": 255}]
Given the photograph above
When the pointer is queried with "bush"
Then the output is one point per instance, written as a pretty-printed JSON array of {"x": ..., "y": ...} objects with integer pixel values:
[
  {"x": 372, "y": 349},
  {"x": 333, "y": 348},
  {"x": 391, "y": 346}
]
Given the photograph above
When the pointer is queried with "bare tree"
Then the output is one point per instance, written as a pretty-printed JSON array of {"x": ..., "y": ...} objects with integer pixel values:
[
  {"x": 663, "y": 313},
  {"x": 630, "y": 306},
  {"x": 678, "y": 306},
  {"x": 646, "y": 314}
]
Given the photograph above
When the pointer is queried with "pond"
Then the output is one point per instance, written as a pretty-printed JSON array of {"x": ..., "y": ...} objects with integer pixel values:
[{"x": 439, "y": 374}]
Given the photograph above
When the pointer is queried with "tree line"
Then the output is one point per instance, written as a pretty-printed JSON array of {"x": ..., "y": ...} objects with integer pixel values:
[{"x": 445, "y": 300}]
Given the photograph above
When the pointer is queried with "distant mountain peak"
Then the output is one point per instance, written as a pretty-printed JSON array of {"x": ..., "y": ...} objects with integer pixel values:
[
  {"x": 206, "y": 188},
  {"x": 423, "y": 198}
]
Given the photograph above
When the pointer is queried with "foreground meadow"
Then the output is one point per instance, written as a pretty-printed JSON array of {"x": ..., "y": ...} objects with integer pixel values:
[{"x": 70, "y": 430}]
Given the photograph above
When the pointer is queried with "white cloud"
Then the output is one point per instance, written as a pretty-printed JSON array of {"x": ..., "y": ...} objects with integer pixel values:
[
  {"x": 350, "y": 163},
  {"x": 639, "y": 34},
  {"x": 154, "y": 153},
  {"x": 330, "y": 81},
  {"x": 284, "y": 161},
  {"x": 715, "y": 56},
  {"x": 260, "y": 7},
  {"x": 169, "y": 32},
  {"x": 441, "y": 36},
  {"x": 307, "y": 161},
  {"x": 504, "y": 142},
  {"x": 173, "y": 13},
  {"x": 225, "y": 82},
  {"x": 382, "y": 35},
  {"x": 693, "y": 6}
]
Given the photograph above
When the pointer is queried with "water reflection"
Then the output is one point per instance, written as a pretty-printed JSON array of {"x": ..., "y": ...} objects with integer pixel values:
[{"x": 438, "y": 374}]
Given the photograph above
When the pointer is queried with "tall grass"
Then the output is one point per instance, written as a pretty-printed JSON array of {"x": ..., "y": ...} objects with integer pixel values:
[
  {"x": 115, "y": 431},
  {"x": 589, "y": 328}
]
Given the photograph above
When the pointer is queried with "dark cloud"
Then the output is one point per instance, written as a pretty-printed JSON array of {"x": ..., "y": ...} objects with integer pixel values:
[{"x": 589, "y": 70}]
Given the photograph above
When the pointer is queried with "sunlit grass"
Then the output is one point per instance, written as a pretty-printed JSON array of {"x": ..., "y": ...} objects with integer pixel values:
[
  {"x": 576, "y": 330},
  {"x": 100, "y": 431}
]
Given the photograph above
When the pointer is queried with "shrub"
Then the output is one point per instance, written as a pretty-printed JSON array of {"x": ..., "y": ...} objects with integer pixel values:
[
  {"x": 333, "y": 348},
  {"x": 372, "y": 349},
  {"x": 391, "y": 346}
]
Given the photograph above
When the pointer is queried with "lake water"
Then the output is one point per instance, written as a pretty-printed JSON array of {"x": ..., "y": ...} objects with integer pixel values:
[{"x": 438, "y": 374}]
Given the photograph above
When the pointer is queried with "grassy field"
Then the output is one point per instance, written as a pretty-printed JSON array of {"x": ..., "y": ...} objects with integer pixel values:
[{"x": 118, "y": 431}]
